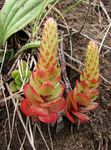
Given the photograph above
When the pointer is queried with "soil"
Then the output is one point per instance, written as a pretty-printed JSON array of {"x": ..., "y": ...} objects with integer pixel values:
[{"x": 96, "y": 134}]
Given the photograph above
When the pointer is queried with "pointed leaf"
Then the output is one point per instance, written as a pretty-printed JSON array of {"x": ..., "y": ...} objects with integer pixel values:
[
  {"x": 25, "y": 108},
  {"x": 45, "y": 89},
  {"x": 32, "y": 95},
  {"x": 81, "y": 117},
  {"x": 31, "y": 110},
  {"x": 69, "y": 117},
  {"x": 82, "y": 99},
  {"x": 55, "y": 105},
  {"x": 57, "y": 92},
  {"x": 58, "y": 106},
  {"x": 14, "y": 73},
  {"x": 52, "y": 117},
  {"x": 13, "y": 86},
  {"x": 18, "y": 80},
  {"x": 71, "y": 98}
]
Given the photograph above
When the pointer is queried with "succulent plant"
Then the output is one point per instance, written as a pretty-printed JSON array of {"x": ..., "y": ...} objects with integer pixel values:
[
  {"x": 20, "y": 76},
  {"x": 44, "y": 94},
  {"x": 82, "y": 98}
]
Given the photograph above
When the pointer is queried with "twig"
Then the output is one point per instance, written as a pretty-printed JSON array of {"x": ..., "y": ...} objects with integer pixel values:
[
  {"x": 19, "y": 138},
  {"x": 104, "y": 37},
  {"x": 63, "y": 66},
  {"x": 52, "y": 146},
  {"x": 13, "y": 66},
  {"x": 105, "y": 11},
  {"x": 69, "y": 8},
  {"x": 87, "y": 13},
  {"x": 109, "y": 20},
  {"x": 43, "y": 137},
  {"x": 5, "y": 132},
  {"x": 21, "y": 147},
  {"x": 10, "y": 97},
  {"x": 73, "y": 67},
  {"x": 8, "y": 118},
  {"x": 72, "y": 132}
]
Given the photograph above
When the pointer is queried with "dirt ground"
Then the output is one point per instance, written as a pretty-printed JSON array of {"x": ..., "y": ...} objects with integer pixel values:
[{"x": 96, "y": 134}]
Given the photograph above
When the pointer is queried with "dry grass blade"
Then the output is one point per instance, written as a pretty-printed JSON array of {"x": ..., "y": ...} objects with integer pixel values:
[
  {"x": 9, "y": 121},
  {"x": 21, "y": 147},
  {"x": 43, "y": 137},
  {"x": 20, "y": 141},
  {"x": 109, "y": 26},
  {"x": 52, "y": 146},
  {"x": 63, "y": 66}
]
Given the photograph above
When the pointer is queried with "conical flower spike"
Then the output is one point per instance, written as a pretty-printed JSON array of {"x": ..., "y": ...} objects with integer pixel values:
[
  {"x": 86, "y": 90},
  {"x": 91, "y": 69},
  {"x": 49, "y": 46},
  {"x": 43, "y": 94}
]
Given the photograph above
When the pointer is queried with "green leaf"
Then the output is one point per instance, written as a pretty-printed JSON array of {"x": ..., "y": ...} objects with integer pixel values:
[
  {"x": 35, "y": 44},
  {"x": 22, "y": 74},
  {"x": 19, "y": 87},
  {"x": 18, "y": 80},
  {"x": 16, "y": 14},
  {"x": 15, "y": 73},
  {"x": 13, "y": 86}
]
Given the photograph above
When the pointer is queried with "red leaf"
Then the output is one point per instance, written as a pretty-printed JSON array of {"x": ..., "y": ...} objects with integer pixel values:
[
  {"x": 31, "y": 110},
  {"x": 71, "y": 99},
  {"x": 69, "y": 117},
  {"x": 84, "y": 85},
  {"x": 94, "y": 80},
  {"x": 81, "y": 117},
  {"x": 56, "y": 105},
  {"x": 32, "y": 95},
  {"x": 25, "y": 108},
  {"x": 82, "y": 99},
  {"x": 93, "y": 93},
  {"x": 52, "y": 117},
  {"x": 41, "y": 74},
  {"x": 39, "y": 111}
]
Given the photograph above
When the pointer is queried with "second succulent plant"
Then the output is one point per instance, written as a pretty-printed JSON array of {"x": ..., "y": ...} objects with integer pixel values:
[{"x": 81, "y": 99}]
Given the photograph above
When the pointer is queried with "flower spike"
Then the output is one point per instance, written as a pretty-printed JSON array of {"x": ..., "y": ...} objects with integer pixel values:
[
  {"x": 82, "y": 98},
  {"x": 49, "y": 46},
  {"x": 44, "y": 94}
]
